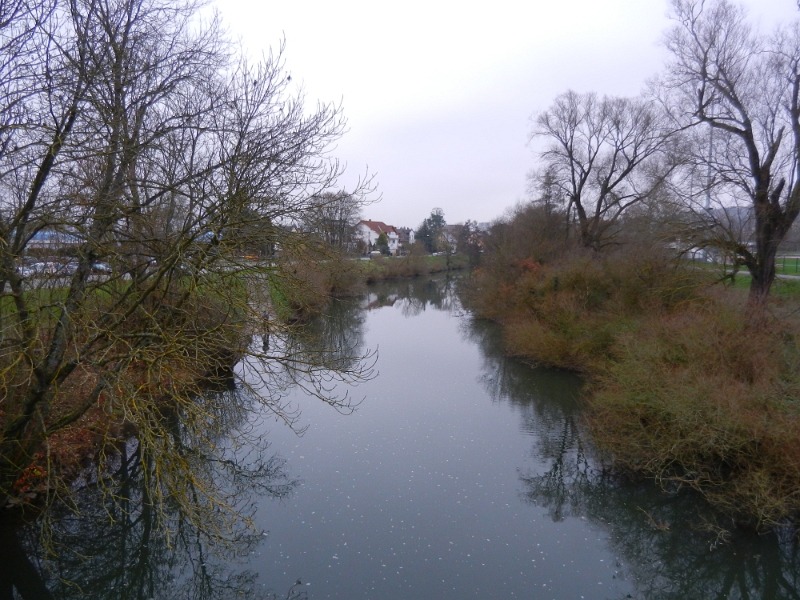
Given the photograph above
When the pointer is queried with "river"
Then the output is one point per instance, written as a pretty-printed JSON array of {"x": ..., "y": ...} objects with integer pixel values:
[{"x": 459, "y": 474}]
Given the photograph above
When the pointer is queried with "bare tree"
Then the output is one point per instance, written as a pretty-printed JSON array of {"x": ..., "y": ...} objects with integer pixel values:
[
  {"x": 134, "y": 127},
  {"x": 746, "y": 86},
  {"x": 334, "y": 218},
  {"x": 603, "y": 156}
]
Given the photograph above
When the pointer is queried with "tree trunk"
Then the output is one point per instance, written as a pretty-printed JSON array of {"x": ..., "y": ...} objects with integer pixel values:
[
  {"x": 770, "y": 229},
  {"x": 585, "y": 225},
  {"x": 17, "y": 569},
  {"x": 762, "y": 274}
]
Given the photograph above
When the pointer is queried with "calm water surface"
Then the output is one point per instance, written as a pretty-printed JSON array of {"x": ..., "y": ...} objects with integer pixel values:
[
  {"x": 428, "y": 489},
  {"x": 461, "y": 474}
]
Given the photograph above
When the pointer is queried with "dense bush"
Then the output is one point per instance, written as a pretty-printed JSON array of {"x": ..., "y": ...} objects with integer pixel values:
[
  {"x": 566, "y": 313},
  {"x": 704, "y": 398},
  {"x": 684, "y": 385},
  {"x": 412, "y": 265}
]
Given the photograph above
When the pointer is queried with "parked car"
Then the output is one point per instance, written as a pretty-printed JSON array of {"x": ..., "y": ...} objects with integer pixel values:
[
  {"x": 40, "y": 268},
  {"x": 26, "y": 271},
  {"x": 101, "y": 267},
  {"x": 67, "y": 269}
]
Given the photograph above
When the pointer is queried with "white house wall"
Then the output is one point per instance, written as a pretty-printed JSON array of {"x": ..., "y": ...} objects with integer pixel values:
[{"x": 370, "y": 237}]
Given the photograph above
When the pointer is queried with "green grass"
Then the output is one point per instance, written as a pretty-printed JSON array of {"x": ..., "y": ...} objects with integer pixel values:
[
  {"x": 782, "y": 288},
  {"x": 392, "y": 267},
  {"x": 280, "y": 300},
  {"x": 787, "y": 265},
  {"x": 783, "y": 266}
]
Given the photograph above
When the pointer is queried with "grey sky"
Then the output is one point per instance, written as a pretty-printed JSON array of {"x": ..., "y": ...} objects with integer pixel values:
[{"x": 439, "y": 95}]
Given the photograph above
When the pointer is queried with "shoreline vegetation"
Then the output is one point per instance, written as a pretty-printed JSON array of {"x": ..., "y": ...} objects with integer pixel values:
[
  {"x": 211, "y": 320},
  {"x": 685, "y": 383},
  {"x": 690, "y": 380},
  {"x": 311, "y": 284},
  {"x": 219, "y": 319}
]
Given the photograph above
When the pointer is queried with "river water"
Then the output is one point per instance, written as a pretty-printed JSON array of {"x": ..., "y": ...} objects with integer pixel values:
[
  {"x": 464, "y": 474},
  {"x": 460, "y": 474}
]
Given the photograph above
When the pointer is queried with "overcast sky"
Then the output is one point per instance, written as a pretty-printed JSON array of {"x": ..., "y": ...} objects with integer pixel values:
[{"x": 439, "y": 95}]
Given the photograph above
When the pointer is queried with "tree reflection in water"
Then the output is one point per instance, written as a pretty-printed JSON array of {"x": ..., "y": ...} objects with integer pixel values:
[
  {"x": 334, "y": 345},
  {"x": 416, "y": 295},
  {"x": 665, "y": 541},
  {"x": 322, "y": 358},
  {"x": 130, "y": 534},
  {"x": 119, "y": 546},
  {"x": 115, "y": 543},
  {"x": 123, "y": 538}
]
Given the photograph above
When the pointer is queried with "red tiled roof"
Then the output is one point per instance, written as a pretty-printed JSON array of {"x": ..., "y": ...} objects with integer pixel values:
[{"x": 379, "y": 226}]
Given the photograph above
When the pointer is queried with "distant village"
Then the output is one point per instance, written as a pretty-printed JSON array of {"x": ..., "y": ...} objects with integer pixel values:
[
  {"x": 52, "y": 250},
  {"x": 398, "y": 239},
  {"x": 377, "y": 237}
]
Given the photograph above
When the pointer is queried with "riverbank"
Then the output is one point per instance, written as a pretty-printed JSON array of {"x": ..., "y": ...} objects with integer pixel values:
[
  {"x": 484, "y": 436},
  {"x": 303, "y": 288},
  {"x": 200, "y": 335},
  {"x": 397, "y": 267},
  {"x": 683, "y": 385},
  {"x": 203, "y": 326}
]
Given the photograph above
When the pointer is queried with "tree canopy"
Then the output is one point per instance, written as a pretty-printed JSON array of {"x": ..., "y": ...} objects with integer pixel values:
[
  {"x": 744, "y": 85},
  {"x": 430, "y": 230},
  {"x": 136, "y": 129},
  {"x": 603, "y": 156}
]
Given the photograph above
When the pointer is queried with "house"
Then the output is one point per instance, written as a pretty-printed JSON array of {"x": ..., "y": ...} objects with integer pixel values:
[
  {"x": 405, "y": 238},
  {"x": 369, "y": 231},
  {"x": 451, "y": 234}
]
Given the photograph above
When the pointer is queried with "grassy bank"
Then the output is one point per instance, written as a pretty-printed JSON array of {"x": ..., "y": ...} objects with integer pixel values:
[
  {"x": 683, "y": 385},
  {"x": 300, "y": 289},
  {"x": 411, "y": 265}
]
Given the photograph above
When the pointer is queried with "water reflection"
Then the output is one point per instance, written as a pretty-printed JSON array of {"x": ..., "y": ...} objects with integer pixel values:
[
  {"x": 664, "y": 539},
  {"x": 129, "y": 535},
  {"x": 126, "y": 543},
  {"x": 416, "y": 295},
  {"x": 669, "y": 544},
  {"x": 170, "y": 515},
  {"x": 337, "y": 337},
  {"x": 548, "y": 407},
  {"x": 324, "y": 358}
]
